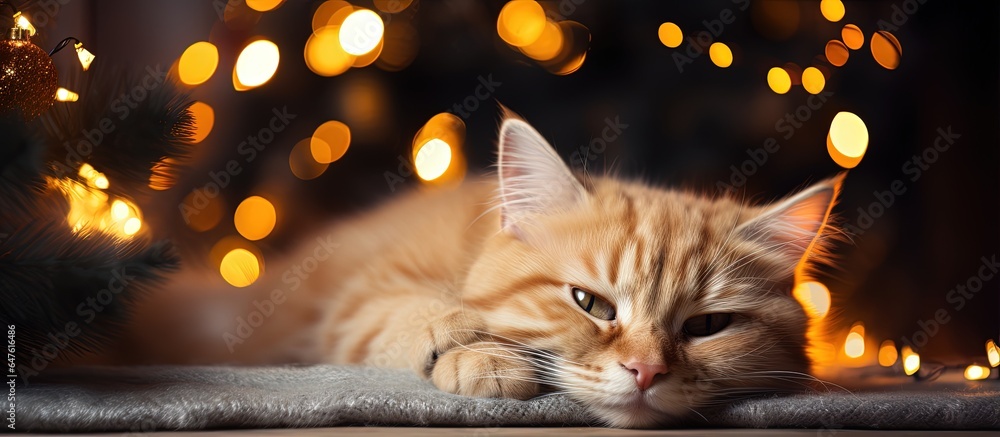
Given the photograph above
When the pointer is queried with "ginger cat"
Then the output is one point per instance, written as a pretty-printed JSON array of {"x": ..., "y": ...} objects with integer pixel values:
[{"x": 642, "y": 304}]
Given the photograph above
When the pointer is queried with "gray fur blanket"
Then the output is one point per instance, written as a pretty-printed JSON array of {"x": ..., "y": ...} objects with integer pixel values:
[{"x": 194, "y": 398}]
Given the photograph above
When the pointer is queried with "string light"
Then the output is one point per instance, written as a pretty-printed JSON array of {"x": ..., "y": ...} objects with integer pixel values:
[
  {"x": 854, "y": 346},
  {"x": 911, "y": 360},
  {"x": 847, "y": 140},
  {"x": 22, "y": 22},
  {"x": 976, "y": 372},
  {"x": 86, "y": 58},
  {"x": 65, "y": 95},
  {"x": 992, "y": 353},
  {"x": 887, "y": 354}
]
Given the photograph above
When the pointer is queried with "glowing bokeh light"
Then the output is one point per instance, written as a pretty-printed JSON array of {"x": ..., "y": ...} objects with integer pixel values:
[
  {"x": 433, "y": 159},
  {"x": 361, "y": 32},
  {"x": 992, "y": 353},
  {"x": 832, "y": 10},
  {"x": 854, "y": 345},
  {"x": 911, "y": 360},
  {"x": 576, "y": 42},
  {"x": 976, "y": 372},
  {"x": 200, "y": 211},
  {"x": 255, "y": 218},
  {"x": 92, "y": 210},
  {"x": 813, "y": 80},
  {"x": 779, "y": 80},
  {"x": 521, "y": 22},
  {"x": 886, "y": 49},
  {"x": 853, "y": 37},
  {"x": 240, "y": 268},
  {"x": 131, "y": 226},
  {"x": 119, "y": 210},
  {"x": 547, "y": 46},
  {"x": 332, "y": 12},
  {"x": 204, "y": 120},
  {"x": 847, "y": 140},
  {"x": 670, "y": 35},
  {"x": 836, "y": 53},
  {"x": 198, "y": 63},
  {"x": 324, "y": 55},
  {"x": 256, "y": 64},
  {"x": 887, "y": 354},
  {"x": 814, "y": 297},
  {"x": 720, "y": 54},
  {"x": 301, "y": 162},
  {"x": 263, "y": 5},
  {"x": 335, "y": 138},
  {"x": 163, "y": 175},
  {"x": 392, "y": 6},
  {"x": 65, "y": 95}
]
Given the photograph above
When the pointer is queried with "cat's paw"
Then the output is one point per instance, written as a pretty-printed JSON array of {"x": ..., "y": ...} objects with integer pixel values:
[
  {"x": 453, "y": 329},
  {"x": 485, "y": 370}
]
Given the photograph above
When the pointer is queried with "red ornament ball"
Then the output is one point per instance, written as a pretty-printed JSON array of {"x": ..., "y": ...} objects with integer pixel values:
[{"x": 28, "y": 79}]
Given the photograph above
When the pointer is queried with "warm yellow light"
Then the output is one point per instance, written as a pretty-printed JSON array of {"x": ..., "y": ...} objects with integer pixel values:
[
  {"x": 813, "y": 80},
  {"x": 324, "y": 55},
  {"x": 255, "y": 218},
  {"x": 331, "y": 12},
  {"x": 86, "y": 58},
  {"x": 263, "y": 5},
  {"x": 163, "y": 174},
  {"x": 779, "y": 80},
  {"x": 976, "y": 372},
  {"x": 814, "y": 297},
  {"x": 361, "y": 32},
  {"x": 432, "y": 159},
  {"x": 847, "y": 140},
  {"x": 887, "y": 354},
  {"x": 886, "y": 49},
  {"x": 992, "y": 354},
  {"x": 911, "y": 360},
  {"x": 256, "y": 64},
  {"x": 521, "y": 22},
  {"x": 198, "y": 63},
  {"x": 93, "y": 177},
  {"x": 204, "y": 120},
  {"x": 240, "y": 267},
  {"x": 832, "y": 10},
  {"x": 119, "y": 210},
  {"x": 23, "y": 23},
  {"x": 853, "y": 37},
  {"x": 330, "y": 141},
  {"x": 720, "y": 54},
  {"x": 132, "y": 225},
  {"x": 854, "y": 345},
  {"x": 301, "y": 160},
  {"x": 547, "y": 46},
  {"x": 65, "y": 95},
  {"x": 836, "y": 52},
  {"x": 670, "y": 35}
]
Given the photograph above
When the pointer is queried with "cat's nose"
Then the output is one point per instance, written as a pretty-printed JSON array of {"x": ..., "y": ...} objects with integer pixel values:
[{"x": 644, "y": 372}]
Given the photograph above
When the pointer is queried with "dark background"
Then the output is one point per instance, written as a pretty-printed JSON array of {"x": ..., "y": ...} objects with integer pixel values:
[{"x": 685, "y": 128}]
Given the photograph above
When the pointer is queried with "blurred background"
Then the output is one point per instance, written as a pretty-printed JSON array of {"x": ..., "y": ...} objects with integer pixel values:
[{"x": 308, "y": 111}]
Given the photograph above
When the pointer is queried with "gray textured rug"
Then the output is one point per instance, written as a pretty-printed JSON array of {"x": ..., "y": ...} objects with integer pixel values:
[{"x": 194, "y": 398}]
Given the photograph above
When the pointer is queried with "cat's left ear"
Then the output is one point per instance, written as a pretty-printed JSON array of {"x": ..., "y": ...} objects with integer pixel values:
[
  {"x": 533, "y": 178},
  {"x": 792, "y": 227}
]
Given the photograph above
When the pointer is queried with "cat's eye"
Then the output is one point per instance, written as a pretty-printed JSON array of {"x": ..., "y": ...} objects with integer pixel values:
[
  {"x": 593, "y": 305},
  {"x": 707, "y": 324}
]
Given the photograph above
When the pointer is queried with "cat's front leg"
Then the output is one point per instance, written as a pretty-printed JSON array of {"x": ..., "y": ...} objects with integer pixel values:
[{"x": 459, "y": 357}]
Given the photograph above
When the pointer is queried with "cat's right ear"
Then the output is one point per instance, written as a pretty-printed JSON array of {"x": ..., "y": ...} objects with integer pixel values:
[{"x": 533, "y": 178}]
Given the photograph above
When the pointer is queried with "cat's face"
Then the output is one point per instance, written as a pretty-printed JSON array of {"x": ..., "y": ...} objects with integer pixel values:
[{"x": 644, "y": 305}]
